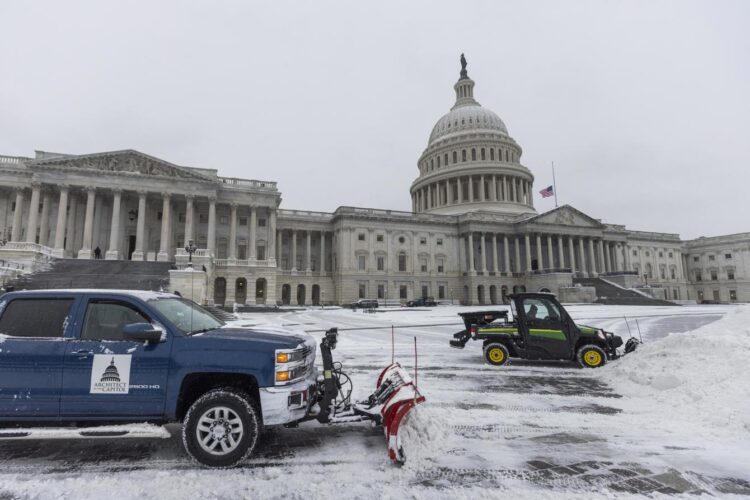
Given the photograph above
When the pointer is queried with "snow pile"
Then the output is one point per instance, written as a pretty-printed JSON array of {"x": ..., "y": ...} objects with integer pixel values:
[
  {"x": 425, "y": 436},
  {"x": 700, "y": 377}
]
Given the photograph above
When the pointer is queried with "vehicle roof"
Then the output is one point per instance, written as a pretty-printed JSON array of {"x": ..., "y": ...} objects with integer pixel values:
[
  {"x": 139, "y": 294},
  {"x": 531, "y": 294}
]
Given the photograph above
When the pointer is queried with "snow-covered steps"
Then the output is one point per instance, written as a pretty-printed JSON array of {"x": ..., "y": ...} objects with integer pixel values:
[{"x": 146, "y": 431}]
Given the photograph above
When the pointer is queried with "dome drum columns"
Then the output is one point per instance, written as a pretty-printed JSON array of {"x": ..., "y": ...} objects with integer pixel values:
[{"x": 489, "y": 190}]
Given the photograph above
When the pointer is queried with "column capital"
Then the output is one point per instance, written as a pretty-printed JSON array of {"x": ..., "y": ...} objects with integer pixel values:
[
  {"x": 36, "y": 183},
  {"x": 64, "y": 186},
  {"x": 142, "y": 193},
  {"x": 166, "y": 194},
  {"x": 212, "y": 198},
  {"x": 190, "y": 197},
  {"x": 234, "y": 205},
  {"x": 90, "y": 189},
  {"x": 117, "y": 190}
]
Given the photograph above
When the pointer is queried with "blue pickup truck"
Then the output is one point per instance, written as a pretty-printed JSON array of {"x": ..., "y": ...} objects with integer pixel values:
[{"x": 79, "y": 359}]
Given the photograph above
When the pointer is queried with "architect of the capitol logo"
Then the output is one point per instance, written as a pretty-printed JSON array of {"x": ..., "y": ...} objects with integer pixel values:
[{"x": 473, "y": 234}]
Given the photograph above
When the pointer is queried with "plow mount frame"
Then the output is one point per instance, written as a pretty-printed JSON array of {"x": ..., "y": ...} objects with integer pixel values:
[{"x": 394, "y": 397}]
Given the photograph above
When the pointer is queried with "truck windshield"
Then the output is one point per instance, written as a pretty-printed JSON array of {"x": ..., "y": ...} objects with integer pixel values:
[{"x": 186, "y": 316}]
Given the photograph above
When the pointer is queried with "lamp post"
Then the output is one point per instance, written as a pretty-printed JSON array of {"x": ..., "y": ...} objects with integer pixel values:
[
  {"x": 322, "y": 299},
  {"x": 190, "y": 248},
  {"x": 385, "y": 295},
  {"x": 451, "y": 296}
]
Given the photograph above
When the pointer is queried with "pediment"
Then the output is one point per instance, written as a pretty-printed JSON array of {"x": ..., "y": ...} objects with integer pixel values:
[
  {"x": 119, "y": 162},
  {"x": 566, "y": 216}
]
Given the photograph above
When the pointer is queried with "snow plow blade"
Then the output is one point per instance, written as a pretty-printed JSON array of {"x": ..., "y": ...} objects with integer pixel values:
[
  {"x": 394, "y": 397},
  {"x": 399, "y": 395}
]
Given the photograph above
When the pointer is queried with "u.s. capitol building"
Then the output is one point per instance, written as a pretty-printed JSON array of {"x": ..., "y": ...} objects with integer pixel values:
[{"x": 473, "y": 234}]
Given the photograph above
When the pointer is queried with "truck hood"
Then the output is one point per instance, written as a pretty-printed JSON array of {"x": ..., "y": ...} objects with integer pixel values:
[{"x": 270, "y": 337}]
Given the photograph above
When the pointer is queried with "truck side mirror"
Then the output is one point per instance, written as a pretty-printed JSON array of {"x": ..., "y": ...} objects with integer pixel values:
[{"x": 142, "y": 332}]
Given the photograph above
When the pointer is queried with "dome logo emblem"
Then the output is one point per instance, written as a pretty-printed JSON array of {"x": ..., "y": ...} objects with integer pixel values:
[{"x": 110, "y": 374}]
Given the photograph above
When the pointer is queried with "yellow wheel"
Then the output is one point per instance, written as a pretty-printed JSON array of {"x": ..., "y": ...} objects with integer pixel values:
[
  {"x": 496, "y": 354},
  {"x": 591, "y": 356}
]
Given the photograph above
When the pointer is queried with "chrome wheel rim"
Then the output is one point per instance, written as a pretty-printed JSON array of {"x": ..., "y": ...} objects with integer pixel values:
[{"x": 219, "y": 430}]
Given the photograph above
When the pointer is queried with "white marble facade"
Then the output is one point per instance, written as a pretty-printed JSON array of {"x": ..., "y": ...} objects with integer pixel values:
[{"x": 473, "y": 233}]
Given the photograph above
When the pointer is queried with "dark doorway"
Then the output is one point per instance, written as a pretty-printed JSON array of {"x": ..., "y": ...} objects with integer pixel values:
[
  {"x": 220, "y": 291},
  {"x": 286, "y": 292},
  {"x": 131, "y": 246}
]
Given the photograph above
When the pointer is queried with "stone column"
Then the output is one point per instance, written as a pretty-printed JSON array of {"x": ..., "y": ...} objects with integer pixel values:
[
  {"x": 166, "y": 208},
  {"x": 294, "y": 251},
  {"x": 232, "y": 231},
  {"x": 481, "y": 188},
  {"x": 483, "y": 250},
  {"x": 271, "y": 235},
  {"x": 531, "y": 196},
  {"x": 211, "y": 236},
  {"x": 88, "y": 225},
  {"x": 582, "y": 251},
  {"x": 36, "y": 188},
  {"x": 17, "y": 217},
  {"x": 322, "y": 252},
  {"x": 70, "y": 243},
  {"x": 609, "y": 257},
  {"x": 189, "y": 219},
  {"x": 514, "y": 190},
  {"x": 603, "y": 265},
  {"x": 626, "y": 255},
  {"x": 140, "y": 236},
  {"x": 506, "y": 256},
  {"x": 504, "y": 192},
  {"x": 527, "y": 241},
  {"x": 517, "y": 241},
  {"x": 471, "y": 189},
  {"x": 493, "y": 191},
  {"x": 560, "y": 250},
  {"x": 44, "y": 221},
  {"x": 539, "y": 260},
  {"x": 459, "y": 187},
  {"x": 113, "y": 252},
  {"x": 550, "y": 252},
  {"x": 495, "y": 264},
  {"x": 592, "y": 256},
  {"x": 252, "y": 244},
  {"x": 308, "y": 246},
  {"x": 279, "y": 239},
  {"x": 62, "y": 212},
  {"x": 571, "y": 254},
  {"x": 470, "y": 239}
]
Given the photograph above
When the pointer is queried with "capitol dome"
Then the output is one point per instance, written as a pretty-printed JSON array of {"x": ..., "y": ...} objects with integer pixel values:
[{"x": 471, "y": 163}]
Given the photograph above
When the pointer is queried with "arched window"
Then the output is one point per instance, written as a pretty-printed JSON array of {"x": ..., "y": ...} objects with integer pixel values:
[
  {"x": 455, "y": 157},
  {"x": 445, "y": 158},
  {"x": 482, "y": 155},
  {"x": 432, "y": 164},
  {"x": 438, "y": 159},
  {"x": 492, "y": 154},
  {"x": 463, "y": 155},
  {"x": 473, "y": 154},
  {"x": 507, "y": 156}
]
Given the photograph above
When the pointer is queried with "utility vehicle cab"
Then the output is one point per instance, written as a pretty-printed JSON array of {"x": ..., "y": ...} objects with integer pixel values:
[{"x": 540, "y": 328}]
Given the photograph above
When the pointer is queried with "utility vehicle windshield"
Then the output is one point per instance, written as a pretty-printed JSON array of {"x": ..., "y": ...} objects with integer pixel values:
[{"x": 186, "y": 316}]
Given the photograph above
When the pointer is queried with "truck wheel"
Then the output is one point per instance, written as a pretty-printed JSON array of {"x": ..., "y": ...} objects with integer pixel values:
[
  {"x": 496, "y": 354},
  {"x": 591, "y": 356},
  {"x": 221, "y": 428}
]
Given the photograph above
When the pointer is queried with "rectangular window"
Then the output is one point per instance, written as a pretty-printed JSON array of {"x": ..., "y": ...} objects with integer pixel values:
[
  {"x": 261, "y": 222},
  {"x": 440, "y": 242},
  {"x": 223, "y": 219},
  {"x": 379, "y": 238},
  {"x": 730, "y": 275},
  {"x": 22, "y": 317},
  {"x": 423, "y": 267},
  {"x": 733, "y": 295},
  {"x": 662, "y": 273},
  {"x": 728, "y": 256},
  {"x": 158, "y": 215},
  {"x": 716, "y": 296},
  {"x": 241, "y": 252},
  {"x": 698, "y": 276},
  {"x": 422, "y": 241},
  {"x": 381, "y": 291},
  {"x": 635, "y": 253},
  {"x": 696, "y": 259},
  {"x": 260, "y": 253},
  {"x": 243, "y": 221},
  {"x": 711, "y": 257},
  {"x": 672, "y": 273},
  {"x": 441, "y": 288},
  {"x": 661, "y": 254},
  {"x": 362, "y": 291},
  {"x": 402, "y": 291},
  {"x": 670, "y": 255},
  {"x": 402, "y": 262},
  {"x": 361, "y": 262},
  {"x": 440, "y": 266},
  {"x": 714, "y": 275},
  {"x": 381, "y": 263},
  {"x": 105, "y": 319},
  {"x": 361, "y": 236}
]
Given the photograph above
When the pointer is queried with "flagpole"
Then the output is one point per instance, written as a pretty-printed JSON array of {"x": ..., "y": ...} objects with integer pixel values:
[{"x": 554, "y": 184}]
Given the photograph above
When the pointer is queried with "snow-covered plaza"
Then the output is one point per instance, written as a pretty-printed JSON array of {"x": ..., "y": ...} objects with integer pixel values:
[{"x": 674, "y": 417}]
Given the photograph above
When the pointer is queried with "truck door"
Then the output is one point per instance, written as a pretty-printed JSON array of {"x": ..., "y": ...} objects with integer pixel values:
[
  {"x": 545, "y": 331},
  {"x": 105, "y": 375},
  {"x": 32, "y": 346}
]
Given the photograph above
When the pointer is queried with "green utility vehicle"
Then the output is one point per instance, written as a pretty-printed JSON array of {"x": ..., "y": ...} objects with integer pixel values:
[{"x": 541, "y": 328}]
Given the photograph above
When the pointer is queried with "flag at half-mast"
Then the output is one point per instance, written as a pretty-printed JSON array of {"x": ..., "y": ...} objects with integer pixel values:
[{"x": 547, "y": 192}]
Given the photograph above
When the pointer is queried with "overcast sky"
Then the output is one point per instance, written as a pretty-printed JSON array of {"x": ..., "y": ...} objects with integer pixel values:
[{"x": 643, "y": 106}]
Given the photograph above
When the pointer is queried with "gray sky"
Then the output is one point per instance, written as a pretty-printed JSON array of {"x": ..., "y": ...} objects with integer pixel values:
[{"x": 643, "y": 106}]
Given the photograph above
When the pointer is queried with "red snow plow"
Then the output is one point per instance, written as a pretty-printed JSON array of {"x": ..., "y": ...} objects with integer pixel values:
[{"x": 394, "y": 397}]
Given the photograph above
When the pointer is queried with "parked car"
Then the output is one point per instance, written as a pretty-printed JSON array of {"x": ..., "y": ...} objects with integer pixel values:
[
  {"x": 422, "y": 302},
  {"x": 363, "y": 304}
]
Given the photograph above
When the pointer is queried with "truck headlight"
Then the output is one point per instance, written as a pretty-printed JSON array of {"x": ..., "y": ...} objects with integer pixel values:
[{"x": 291, "y": 364}]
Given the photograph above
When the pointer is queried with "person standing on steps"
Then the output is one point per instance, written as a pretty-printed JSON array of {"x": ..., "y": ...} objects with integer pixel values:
[{"x": 97, "y": 253}]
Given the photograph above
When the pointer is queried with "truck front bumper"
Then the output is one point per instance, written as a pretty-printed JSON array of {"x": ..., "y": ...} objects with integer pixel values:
[{"x": 288, "y": 403}]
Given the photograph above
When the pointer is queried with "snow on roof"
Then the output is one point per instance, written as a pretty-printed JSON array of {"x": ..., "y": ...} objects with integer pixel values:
[{"x": 140, "y": 294}]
